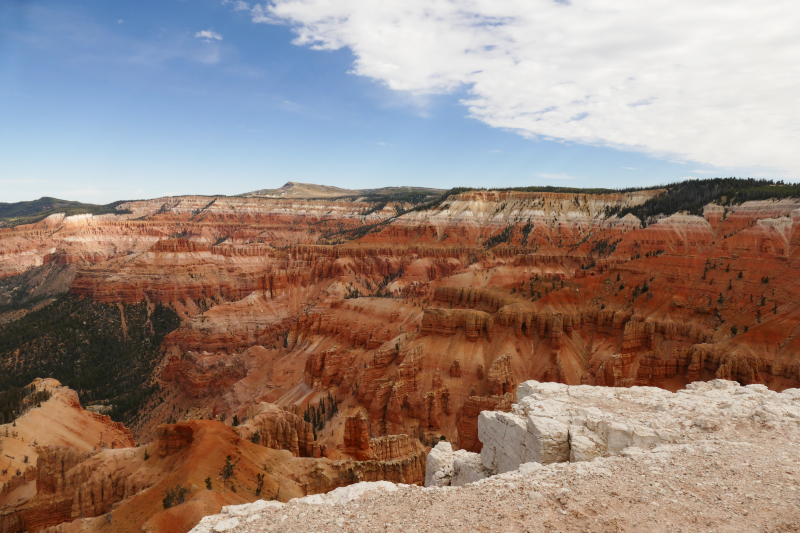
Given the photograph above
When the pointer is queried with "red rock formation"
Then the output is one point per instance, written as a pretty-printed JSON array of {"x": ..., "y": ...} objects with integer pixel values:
[
  {"x": 414, "y": 324},
  {"x": 280, "y": 429},
  {"x": 468, "y": 418},
  {"x": 408, "y": 470},
  {"x": 392, "y": 447},
  {"x": 71, "y": 485},
  {"x": 356, "y": 436},
  {"x": 472, "y": 297},
  {"x": 200, "y": 376},
  {"x": 501, "y": 379},
  {"x": 174, "y": 437},
  {"x": 83, "y": 478},
  {"x": 455, "y": 369},
  {"x": 444, "y": 322}
]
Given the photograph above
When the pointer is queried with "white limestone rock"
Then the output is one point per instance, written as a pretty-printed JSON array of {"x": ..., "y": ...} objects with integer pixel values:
[
  {"x": 250, "y": 508},
  {"x": 225, "y": 525},
  {"x": 584, "y": 445},
  {"x": 546, "y": 440},
  {"x": 467, "y": 468},
  {"x": 446, "y": 467},
  {"x": 553, "y": 423},
  {"x": 439, "y": 466},
  {"x": 503, "y": 438},
  {"x": 229, "y": 517},
  {"x": 346, "y": 494}
]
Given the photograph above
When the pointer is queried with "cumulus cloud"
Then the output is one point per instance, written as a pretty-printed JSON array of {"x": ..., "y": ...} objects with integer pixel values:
[
  {"x": 263, "y": 14},
  {"x": 713, "y": 82},
  {"x": 208, "y": 35}
]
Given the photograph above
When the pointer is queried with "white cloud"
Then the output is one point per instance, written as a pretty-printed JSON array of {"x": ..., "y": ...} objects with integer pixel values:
[
  {"x": 556, "y": 176},
  {"x": 713, "y": 81},
  {"x": 208, "y": 35},
  {"x": 238, "y": 5},
  {"x": 630, "y": 168},
  {"x": 704, "y": 171},
  {"x": 262, "y": 14}
]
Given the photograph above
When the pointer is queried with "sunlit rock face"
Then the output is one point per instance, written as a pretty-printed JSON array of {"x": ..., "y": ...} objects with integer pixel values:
[
  {"x": 407, "y": 329},
  {"x": 557, "y": 423}
]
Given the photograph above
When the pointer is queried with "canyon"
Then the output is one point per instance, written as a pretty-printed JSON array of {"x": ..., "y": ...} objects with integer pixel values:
[
  {"x": 329, "y": 341},
  {"x": 583, "y": 458}
]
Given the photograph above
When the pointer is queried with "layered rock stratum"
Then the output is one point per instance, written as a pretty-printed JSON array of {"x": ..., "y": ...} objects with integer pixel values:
[
  {"x": 347, "y": 337},
  {"x": 715, "y": 456}
]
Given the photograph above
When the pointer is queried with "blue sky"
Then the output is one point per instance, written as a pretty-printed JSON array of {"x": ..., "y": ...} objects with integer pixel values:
[{"x": 101, "y": 101}]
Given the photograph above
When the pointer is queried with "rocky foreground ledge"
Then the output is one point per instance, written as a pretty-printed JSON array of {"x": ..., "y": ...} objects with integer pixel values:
[{"x": 713, "y": 457}]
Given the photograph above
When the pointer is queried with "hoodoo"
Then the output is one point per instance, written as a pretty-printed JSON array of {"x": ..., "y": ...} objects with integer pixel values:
[{"x": 221, "y": 350}]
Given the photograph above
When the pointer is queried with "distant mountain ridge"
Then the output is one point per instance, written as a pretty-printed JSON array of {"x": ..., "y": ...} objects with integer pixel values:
[
  {"x": 13, "y": 214},
  {"x": 29, "y": 212},
  {"x": 310, "y": 190},
  {"x": 687, "y": 196}
]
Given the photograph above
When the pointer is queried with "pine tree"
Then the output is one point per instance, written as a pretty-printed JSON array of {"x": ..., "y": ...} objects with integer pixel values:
[
  {"x": 227, "y": 471},
  {"x": 260, "y": 484}
]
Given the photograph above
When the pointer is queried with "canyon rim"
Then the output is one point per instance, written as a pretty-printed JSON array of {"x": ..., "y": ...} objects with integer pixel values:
[{"x": 182, "y": 356}]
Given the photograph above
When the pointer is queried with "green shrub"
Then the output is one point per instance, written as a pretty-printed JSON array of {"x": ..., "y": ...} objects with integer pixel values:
[{"x": 174, "y": 496}]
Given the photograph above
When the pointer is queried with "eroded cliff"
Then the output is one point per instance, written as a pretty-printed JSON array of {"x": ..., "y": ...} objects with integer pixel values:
[{"x": 364, "y": 354}]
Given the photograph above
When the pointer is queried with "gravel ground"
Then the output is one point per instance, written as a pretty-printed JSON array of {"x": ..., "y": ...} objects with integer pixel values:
[{"x": 746, "y": 478}]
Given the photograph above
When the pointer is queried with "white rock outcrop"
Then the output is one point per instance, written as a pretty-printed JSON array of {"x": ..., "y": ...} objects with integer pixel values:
[
  {"x": 343, "y": 495},
  {"x": 553, "y": 423},
  {"x": 596, "y": 428},
  {"x": 446, "y": 467},
  {"x": 232, "y": 515},
  {"x": 468, "y": 468}
]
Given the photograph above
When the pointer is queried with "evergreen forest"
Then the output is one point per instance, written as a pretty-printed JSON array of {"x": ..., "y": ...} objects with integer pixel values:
[{"x": 105, "y": 352}]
